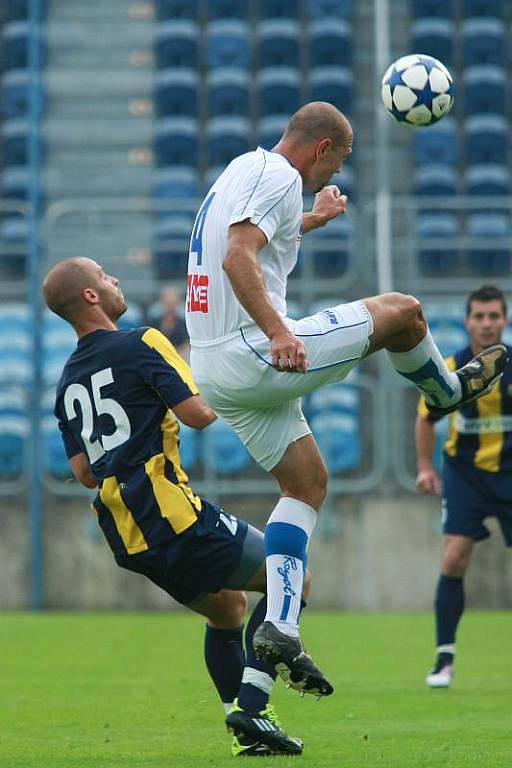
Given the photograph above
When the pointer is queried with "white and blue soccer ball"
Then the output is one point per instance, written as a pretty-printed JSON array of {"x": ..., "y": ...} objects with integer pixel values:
[{"x": 417, "y": 90}]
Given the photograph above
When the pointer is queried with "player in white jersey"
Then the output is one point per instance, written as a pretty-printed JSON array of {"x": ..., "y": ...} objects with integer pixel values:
[{"x": 253, "y": 364}]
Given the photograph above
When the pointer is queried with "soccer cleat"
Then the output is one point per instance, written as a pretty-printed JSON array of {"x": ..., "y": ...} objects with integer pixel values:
[
  {"x": 290, "y": 660},
  {"x": 260, "y": 734},
  {"x": 441, "y": 675},
  {"x": 477, "y": 377}
]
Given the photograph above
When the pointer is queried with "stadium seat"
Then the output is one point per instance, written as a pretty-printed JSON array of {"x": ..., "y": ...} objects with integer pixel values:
[
  {"x": 329, "y": 247},
  {"x": 278, "y": 43},
  {"x": 176, "y": 183},
  {"x": 434, "y": 37},
  {"x": 176, "y": 44},
  {"x": 170, "y": 248},
  {"x": 15, "y": 317},
  {"x": 485, "y": 88},
  {"x": 14, "y": 142},
  {"x": 15, "y": 41},
  {"x": 176, "y": 141},
  {"x": 336, "y": 398},
  {"x": 438, "y": 144},
  {"x": 226, "y": 138},
  {"x": 14, "y": 183},
  {"x": 441, "y": 9},
  {"x": 436, "y": 243},
  {"x": 278, "y": 9},
  {"x": 330, "y": 43},
  {"x": 483, "y": 41},
  {"x": 335, "y": 9},
  {"x": 228, "y": 92},
  {"x": 278, "y": 91},
  {"x": 15, "y": 89},
  {"x": 16, "y": 367},
  {"x": 228, "y": 9},
  {"x": 483, "y": 8},
  {"x": 333, "y": 84},
  {"x": 491, "y": 233},
  {"x": 176, "y": 93},
  {"x": 338, "y": 437},
  {"x": 435, "y": 181},
  {"x": 222, "y": 450},
  {"x": 173, "y": 10},
  {"x": 487, "y": 138},
  {"x": 13, "y": 434},
  {"x": 270, "y": 130},
  {"x": 55, "y": 460},
  {"x": 228, "y": 44},
  {"x": 487, "y": 180}
]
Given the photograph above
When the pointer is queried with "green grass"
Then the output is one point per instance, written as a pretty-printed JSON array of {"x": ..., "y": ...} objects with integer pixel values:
[{"x": 131, "y": 690}]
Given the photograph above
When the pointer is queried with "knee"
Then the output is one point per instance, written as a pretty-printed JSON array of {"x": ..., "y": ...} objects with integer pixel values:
[
  {"x": 315, "y": 488},
  {"x": 455, "y": 564},
  {"x": 230, "y": 609},
  {"x": 409, "y": 308}
]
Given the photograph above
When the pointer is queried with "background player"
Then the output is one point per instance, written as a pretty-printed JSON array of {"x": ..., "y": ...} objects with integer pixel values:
[
  {"x": 253, "y": 364},
  {"x": 114, "y": 402},
  {"x": 477, "y": 472}
]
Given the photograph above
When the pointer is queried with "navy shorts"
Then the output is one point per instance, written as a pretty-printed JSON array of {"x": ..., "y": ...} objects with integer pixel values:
[
  {"x": 470, "y": 495},
  {"x": 217, "y": 552}
]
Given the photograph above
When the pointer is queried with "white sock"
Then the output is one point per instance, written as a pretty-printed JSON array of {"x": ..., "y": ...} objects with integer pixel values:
[
  {"x": 287, "y": 535},
  {"x": 425, "y": 367}
]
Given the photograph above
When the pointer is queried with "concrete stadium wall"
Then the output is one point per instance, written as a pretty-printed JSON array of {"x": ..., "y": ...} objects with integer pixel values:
[{"x": 381, "y": 554}]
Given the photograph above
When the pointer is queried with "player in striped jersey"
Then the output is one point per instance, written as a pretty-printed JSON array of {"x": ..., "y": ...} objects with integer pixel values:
[
  {"x": 117, "y": 402},
  {"x": 477, "y": 472}
]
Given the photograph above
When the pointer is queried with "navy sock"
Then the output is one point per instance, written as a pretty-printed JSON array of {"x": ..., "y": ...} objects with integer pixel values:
[
  {"x": 449, "y": 607},
  {"x": 225, "y": 660}
]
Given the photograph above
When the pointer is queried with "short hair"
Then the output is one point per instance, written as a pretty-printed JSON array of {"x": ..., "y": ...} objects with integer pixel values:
[
  {"x": 318, "y": 120},
  {"x": 64, "y": 284},
  {"x": 487, "y": 293}
]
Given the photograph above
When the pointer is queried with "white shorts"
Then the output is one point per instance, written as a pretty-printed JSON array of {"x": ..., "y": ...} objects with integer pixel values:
[{"x": 236, "y": 377}]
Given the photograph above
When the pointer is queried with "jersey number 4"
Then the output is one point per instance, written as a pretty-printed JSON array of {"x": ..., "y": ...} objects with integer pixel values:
[
  {"x": 102, "y": 405},
  {"x": 196, "y": 243}
]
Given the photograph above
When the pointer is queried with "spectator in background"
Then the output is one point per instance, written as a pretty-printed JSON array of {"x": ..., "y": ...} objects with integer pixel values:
[{"x": 166, "y": 316}]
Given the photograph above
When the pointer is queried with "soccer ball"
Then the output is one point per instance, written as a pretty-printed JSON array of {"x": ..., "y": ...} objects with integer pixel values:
[{"x": 417, "y": 90}]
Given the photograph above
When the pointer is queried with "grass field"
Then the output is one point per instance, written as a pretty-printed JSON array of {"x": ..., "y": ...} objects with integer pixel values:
[{"x": 131, "y": 690}]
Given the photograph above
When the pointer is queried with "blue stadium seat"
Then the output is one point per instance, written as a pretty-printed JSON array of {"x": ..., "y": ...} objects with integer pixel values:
[
  {"x": 441, "y": 9},
  {"x": 487, "y": 180},
  {"x": 13, "y": 435},
  {"x": 56, "y": 462},
  {"x": 176, "y": 183},
  {"x": 270, "y": 130},
  {"x": 338, "y": 437},
  {"x": 437, "y": 145},
  {"x": 16, "y": 367},
  {"x": 434, "y": 37},
  {"x": 278, "y": 91},
  {"x": 13, "y": 402},
  {"x": 14, "y": 183},
  {"x": 330, "y": 43},
  {"x": 173, "y": 10},
  {"x": 336, "y": 398},
  {"x": 435, "y": 181},
  {"x": 176, "y": 44},
  {"x": 14, "y": 231},
  {"x": 228, "y": 44},
  {"x": 278, "y": 43},
  {"x": 15, "y": 88},
  {"x": 487, "y": 138},
  {"x": 333, "y": 84},
  {"x": 228, "y": 9},
  {"x": 329, "y": 246},
  {"x": 59, "y": 341},
  {"x": 189, "y": 447},
  {"x": 335, "y": 9},
  {"x": 14, "y": 142},
  {"x": 222, "y": 450},
  {"x": 176, "y": 93},
  {"x": 483, "y": 8},
  {"x": 278, "y": 9},
  {"x": 485, "y": 88},
  {"x": 15, "y": 40},
  {"x": 228, "y": 92},
  {"x": 436, "y": 243},
  {"x": 176, "y": 141},
  {"x": 170, "y": 248},
  {"x": 226, "y": 138},
  {"x": 483, "y": 41},
  {"x": 14, "y": 317},
  {"x": 491, "y": 234}
]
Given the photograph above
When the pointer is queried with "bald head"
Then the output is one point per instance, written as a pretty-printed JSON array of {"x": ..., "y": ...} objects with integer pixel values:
[{"x": 316, "y": 121}]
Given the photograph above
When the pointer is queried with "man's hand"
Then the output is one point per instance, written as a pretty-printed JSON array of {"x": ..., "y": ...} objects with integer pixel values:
[
  {"x": 428, "y": 481},
  {"x": 288, "y": 353},
  {"x": 329, "y": 203}
]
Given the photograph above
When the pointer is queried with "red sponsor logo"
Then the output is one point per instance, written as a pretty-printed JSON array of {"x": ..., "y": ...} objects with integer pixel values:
[{"x": 197, "y": 293}]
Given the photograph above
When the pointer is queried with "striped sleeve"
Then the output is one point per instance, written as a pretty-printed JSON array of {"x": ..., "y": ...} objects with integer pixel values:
[
  {"x": 164, "y": 370},
  {"x": 422, "y": 405}
]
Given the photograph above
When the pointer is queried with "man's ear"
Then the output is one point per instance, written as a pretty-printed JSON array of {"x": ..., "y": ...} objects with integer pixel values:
[
  {"x": 322, "y": 147},
  {"x": 90, "y": 296}
]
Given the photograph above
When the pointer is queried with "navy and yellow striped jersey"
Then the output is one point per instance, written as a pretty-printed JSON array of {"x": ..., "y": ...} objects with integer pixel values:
[
  {"x": 113, "y": 403},
  {"x": 480, "y": 433}
]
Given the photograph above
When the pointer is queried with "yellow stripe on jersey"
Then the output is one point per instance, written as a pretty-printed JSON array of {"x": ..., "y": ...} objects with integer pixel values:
[
  {"x": 163, "y": 346},
  {"x": 170, "y": 431},
  {"x": 129, "y": 531},
  {"x": 174, "y": 503},
  {"x": 450, "y": 445},
  {"x": 488, "y": 454}
]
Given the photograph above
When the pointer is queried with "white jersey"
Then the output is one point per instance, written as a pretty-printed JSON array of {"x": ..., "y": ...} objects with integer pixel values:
[{"x": 264, "y": 188}]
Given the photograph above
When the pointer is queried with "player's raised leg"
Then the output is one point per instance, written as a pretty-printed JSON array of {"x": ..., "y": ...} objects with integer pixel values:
[
  {"x": 302, "y": 477},
  {"x": 401, "y": 328}
]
